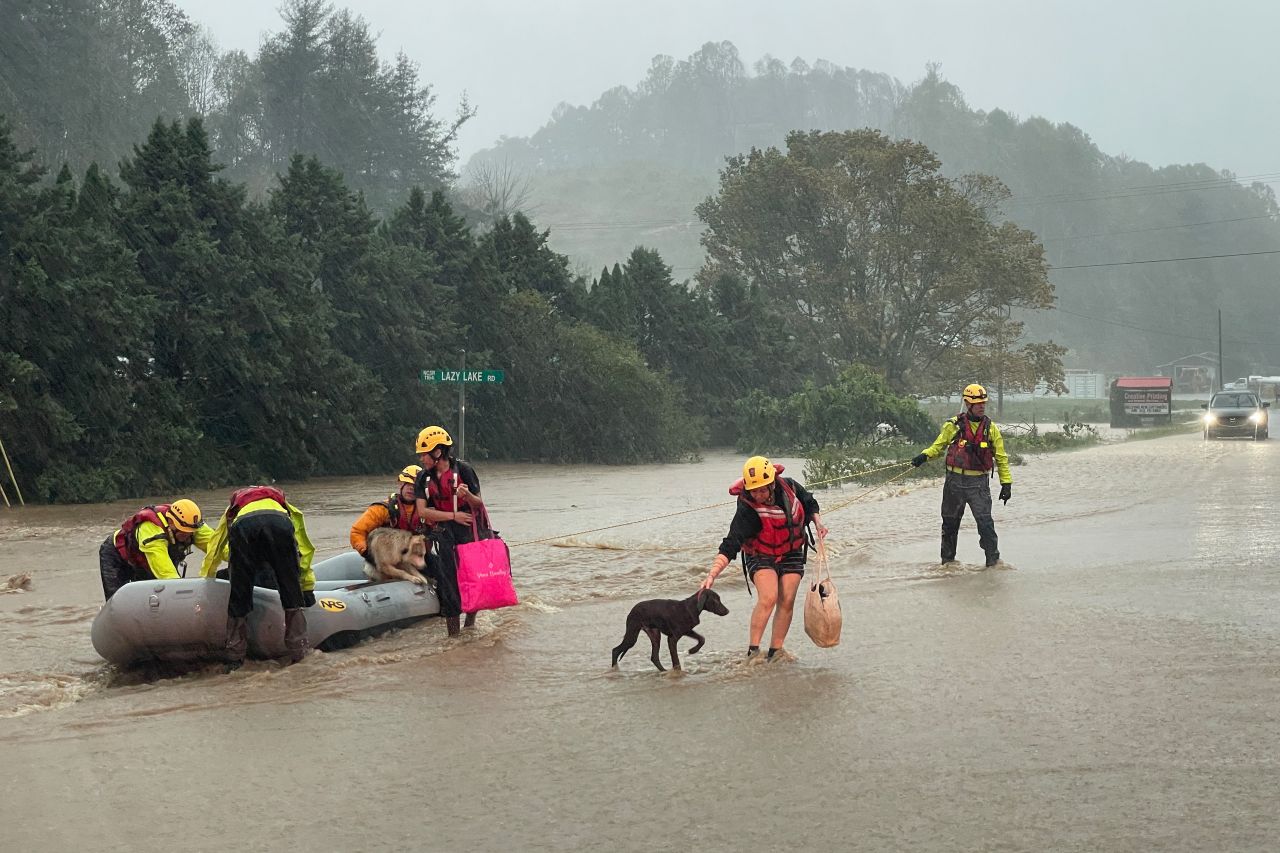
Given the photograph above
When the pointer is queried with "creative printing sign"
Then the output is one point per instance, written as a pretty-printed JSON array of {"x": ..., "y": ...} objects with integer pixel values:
[{"x": 1142, "y": 402}]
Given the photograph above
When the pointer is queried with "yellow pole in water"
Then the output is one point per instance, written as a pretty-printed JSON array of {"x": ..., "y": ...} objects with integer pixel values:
[
  {"x": 6, "y": 497},
  {"x": 16, "y": 488}
]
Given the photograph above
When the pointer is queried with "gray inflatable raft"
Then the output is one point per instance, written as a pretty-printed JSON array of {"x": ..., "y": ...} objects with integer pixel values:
[{"x": 185, "y": 620}]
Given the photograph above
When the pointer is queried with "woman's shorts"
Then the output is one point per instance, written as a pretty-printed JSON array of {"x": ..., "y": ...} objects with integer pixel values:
[{"x": 788, "y": 564}]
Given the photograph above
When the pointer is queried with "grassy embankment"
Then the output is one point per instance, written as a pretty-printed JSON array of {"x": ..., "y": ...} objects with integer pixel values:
[
  {"x": 1022, "y": 425},
  {"x": 1051, "y": 410}
]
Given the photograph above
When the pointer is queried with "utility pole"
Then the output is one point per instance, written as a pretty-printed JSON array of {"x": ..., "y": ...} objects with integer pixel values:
[
  {"x": 1000, "y": 365},
  {"x": 1221, "y": 367}
]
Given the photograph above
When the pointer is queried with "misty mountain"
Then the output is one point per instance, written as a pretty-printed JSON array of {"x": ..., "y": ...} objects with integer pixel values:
[{"x": 630, "y": 168}]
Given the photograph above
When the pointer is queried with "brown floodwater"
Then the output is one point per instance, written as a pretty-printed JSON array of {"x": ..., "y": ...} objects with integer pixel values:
[{"x": 1115, "y": 686}]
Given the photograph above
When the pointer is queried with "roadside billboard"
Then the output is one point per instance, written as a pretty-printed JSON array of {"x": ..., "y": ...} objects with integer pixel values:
[{"x": 1138, "y": 401}]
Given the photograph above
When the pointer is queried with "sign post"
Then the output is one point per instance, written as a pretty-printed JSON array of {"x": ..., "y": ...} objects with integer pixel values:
[
  {"x": 462, "y": 411},
  {"x": 462, "y": 377}
]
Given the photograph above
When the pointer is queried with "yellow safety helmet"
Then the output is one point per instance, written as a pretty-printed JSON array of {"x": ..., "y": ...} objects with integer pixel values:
[
  {"x": 431, "y": 438},
  {"x": 974, "y": 393},
  {"x": 409, "y": 474},
  {"x": 757, "y": 472},
  {"x": 184, "y": 515}
]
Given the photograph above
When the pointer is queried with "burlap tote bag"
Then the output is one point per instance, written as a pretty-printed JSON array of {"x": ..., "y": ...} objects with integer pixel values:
[{"x": 822, "y": 619}]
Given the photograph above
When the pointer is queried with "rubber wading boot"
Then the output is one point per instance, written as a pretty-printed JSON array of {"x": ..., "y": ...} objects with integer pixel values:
[
  {"x": 990, "y": 543},
  {"x": 950, "y": 533},
  {"x": 454, "y": 625},
  {"x": 295, "y": 633},
  {"x": 237, "y": 647},
  {"x": 470, "y": 621}
]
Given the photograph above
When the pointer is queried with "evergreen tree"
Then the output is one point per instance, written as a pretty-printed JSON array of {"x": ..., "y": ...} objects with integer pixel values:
[
  {"x": 82, "y": 79},
  {"x": 562, "y": 375},
  {"x": 71, "y": 337},
  {"x": 612, "y": 305},
  {"x": 325, "y": 93},
  {"x": 524, "y": 261},
  {"x": 437, "y": 261},
  {"x": 242, "y": 334}
]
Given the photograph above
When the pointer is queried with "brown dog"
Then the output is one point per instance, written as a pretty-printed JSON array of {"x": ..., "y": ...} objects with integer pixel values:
[
  {"x": 676, "y": 619},
  {"x": 395, "y": 554}
]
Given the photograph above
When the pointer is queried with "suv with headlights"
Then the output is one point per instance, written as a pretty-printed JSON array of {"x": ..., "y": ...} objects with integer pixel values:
[{"x": 1238, "y": 413}]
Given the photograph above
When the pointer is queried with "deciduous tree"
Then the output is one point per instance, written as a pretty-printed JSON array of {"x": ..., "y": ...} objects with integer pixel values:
[{"x": 870, "y": 254}]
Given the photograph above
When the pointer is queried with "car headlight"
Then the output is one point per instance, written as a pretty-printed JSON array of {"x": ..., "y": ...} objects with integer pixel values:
[
  {"x": 1210, "y": 419},
  {"x": 1256, "y": 417}
]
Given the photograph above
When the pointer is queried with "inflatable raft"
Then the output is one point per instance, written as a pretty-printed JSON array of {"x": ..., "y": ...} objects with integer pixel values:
[{"x": 185, "y": 620}]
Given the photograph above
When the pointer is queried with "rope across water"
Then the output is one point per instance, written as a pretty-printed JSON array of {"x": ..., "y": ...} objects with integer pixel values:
[{"x": 729, "y": 503}]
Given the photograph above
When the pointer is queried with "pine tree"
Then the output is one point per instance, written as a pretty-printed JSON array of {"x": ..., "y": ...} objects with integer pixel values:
[
  {"x": 71, "y": 334},
  {"x": 243, "y": 336}
]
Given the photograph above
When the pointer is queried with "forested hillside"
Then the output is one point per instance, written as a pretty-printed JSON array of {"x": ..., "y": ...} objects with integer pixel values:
[
  {"x": 631, "y": 168},
  {"x": 217, "y": 268},
  {"x": 82, "y": 81}
]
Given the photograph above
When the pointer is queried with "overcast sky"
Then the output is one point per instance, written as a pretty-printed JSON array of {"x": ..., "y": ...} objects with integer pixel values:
[{"x": 1166, "y": 81}]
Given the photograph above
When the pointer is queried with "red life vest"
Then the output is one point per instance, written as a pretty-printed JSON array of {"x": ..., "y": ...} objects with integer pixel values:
[
  {"x": 241, "y": 498},
  {"x": 399, "y": 519},
  {"x": 781, "y": 527},
  {"x": 971, "y": 448},
  {"x": 127, "y": 544},
  {"x": 440, "y": 489}
]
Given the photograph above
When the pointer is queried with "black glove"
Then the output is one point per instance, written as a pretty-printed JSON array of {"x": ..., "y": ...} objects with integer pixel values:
[
  {"x": 308, "y": 599},
  {"x": 919, "y": 460},
  {"x": 1006, "y": 491}
]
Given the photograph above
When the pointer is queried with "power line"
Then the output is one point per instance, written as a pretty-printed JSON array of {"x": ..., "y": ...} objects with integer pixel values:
[
  {"x": 665, "y": 223},
  {"x": 1136, "y": 191},
  {"x": 1167, "y": 260},
  {"x": 607, "y": 226},
  {"x": 1183, "y": 335},
  {"x": 1064, "y": 237},
  {"x": 1139, "y": 190},
  {"x": 685, "y": 223},
  {"x": 1144, "y": 261}
]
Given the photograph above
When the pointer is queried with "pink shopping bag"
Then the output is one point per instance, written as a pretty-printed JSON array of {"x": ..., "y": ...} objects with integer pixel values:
[{"x": 484, "y": 571}]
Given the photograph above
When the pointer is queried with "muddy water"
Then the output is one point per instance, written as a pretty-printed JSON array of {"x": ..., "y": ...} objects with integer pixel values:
[{"x": 1114, "y": 688}]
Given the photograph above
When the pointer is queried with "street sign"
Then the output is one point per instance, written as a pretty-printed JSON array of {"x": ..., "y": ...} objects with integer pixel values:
[
  {"x": 463, "y": 378},
  {"x": 487, "y": 377}
]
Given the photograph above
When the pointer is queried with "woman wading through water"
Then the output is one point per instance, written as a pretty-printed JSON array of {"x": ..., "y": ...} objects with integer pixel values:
[{"x": 769, "y": 529}]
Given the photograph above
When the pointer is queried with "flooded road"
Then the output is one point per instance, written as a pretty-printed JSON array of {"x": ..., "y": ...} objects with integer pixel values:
[{"x": 1116, "y": 687}]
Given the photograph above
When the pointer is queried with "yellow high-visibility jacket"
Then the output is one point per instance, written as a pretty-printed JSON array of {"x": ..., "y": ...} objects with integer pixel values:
[
  {"x": 219, "y": 549},
  {"x": 951, "y": 426},
  {"x": 154, "y": 544}
]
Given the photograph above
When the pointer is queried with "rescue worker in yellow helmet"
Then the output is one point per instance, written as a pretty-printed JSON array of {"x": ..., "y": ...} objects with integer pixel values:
[
  {"x": 260, "y": 533},
  {"x": 399, "y": 510},
  {"x": 769, "y": 528},
  {"x": 151, "y": 544},
  {"x": 974, "y": 447},
  {"x": 448, "y": 492}
]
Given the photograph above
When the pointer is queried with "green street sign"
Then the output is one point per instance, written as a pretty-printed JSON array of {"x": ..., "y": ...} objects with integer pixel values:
[{"x": 486, "y": 377}]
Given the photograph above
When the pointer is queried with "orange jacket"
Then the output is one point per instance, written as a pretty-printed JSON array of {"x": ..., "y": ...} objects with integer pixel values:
[
  {"x": 379, "y": 515},
  {"x": 374, "y": 517}
]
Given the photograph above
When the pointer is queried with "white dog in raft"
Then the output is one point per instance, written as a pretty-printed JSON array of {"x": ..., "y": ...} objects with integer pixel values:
[{"x": 394, "y": 554}]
